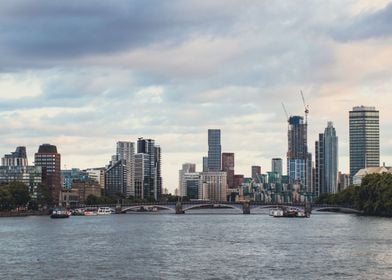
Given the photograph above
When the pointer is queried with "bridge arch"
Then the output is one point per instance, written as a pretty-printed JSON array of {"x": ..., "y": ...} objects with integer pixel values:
[
  {"x": 135, "y": 207},
  {"x": 214, "y": 205}
]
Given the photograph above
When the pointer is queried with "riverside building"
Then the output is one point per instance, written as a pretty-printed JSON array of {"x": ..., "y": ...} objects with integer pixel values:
[
  {"x": 364, "y": 138},
  {"x": 49, "y": 160}
]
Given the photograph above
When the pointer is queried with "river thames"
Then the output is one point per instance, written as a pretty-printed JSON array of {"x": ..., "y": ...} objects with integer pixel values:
[{"x": 199, "y": 245}]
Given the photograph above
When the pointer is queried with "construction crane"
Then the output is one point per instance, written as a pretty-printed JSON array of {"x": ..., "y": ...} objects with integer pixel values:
[
  {"x": 306, "y": 107},
  {"x": 285, "y": 111}
]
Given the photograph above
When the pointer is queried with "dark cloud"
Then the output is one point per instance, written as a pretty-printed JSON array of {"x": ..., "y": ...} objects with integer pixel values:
[
  {"x": 368, "y": 25},
  {"x": 56, "y": 31}
]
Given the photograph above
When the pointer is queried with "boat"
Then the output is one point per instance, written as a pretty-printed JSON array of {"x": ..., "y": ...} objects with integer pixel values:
[
  {"x": 90, "y": 213},
  {"x": 289, "y": 212},
  {"x": 104, "y": 211},
  {"x": 59, "y": 213}
]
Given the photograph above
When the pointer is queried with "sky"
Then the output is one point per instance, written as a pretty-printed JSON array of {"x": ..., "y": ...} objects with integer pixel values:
[{"x": 83, "y": 75}]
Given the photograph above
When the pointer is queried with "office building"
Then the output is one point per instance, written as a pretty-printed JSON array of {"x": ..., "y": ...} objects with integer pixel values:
[
  {"x": 364, "y": 138},
  {"x": 97, "y": 174},
  {"x": 49, "y": 160},
  {"x": 17, "y": 158},
  {"x": 186, "y": 168},
  {"x": 277, "y": 166},
  {"x": 205, "y": 164},
  {"x": 191, "y": 185},
  {"x": 213, "y": 186},
  {"x": 214, "y": 150},
  {"x": 228, "y": 167},
  {"x": 71, "y": 175},
  {"x": 256, "y": 170}
]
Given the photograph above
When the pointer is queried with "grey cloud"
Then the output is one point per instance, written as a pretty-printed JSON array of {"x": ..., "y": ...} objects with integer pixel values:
[
  {"x": 368, "y": 25},
  {"x": 56, "y": 31}
]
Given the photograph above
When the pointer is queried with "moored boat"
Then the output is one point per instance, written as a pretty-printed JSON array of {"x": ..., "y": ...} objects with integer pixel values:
[
  {"x": 104, "y": 211},
  {"x": 289, "y": 212},
  {"x": 59, "y": 213}
]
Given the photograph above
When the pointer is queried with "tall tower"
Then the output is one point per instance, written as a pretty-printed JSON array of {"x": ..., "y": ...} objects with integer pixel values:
[
  {"x": 228, "y": 167},
  {"x": 320, "y": 168},
  {"x": 50, "y": 160},
  {"x": 297, "y": 154},
  {"x": 364, "y": 138},
  {"x": 152, "y": 181},
  {"x": 277, "y": 166},
  {"x": 214, "y": 150},
  {"x": 331, "y": 159},
  {"x": 126, "y": 151},
  {"x": 326, "y": 171}
]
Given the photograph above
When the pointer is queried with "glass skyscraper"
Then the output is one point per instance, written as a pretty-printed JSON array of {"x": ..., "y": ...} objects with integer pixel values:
[
  {"x": 326, "y": 170},
  {"x": 364, "y": 138},
  {"x": 214, "y": 150}
]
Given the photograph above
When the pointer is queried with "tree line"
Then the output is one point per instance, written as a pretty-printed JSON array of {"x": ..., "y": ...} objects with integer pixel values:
[
  {"x": 373, "y": 196},
  {"x": 16, "y": 195}
]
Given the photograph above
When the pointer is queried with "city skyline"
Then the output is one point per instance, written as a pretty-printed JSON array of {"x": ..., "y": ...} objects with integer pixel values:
[{"x": 173, "y": 81}]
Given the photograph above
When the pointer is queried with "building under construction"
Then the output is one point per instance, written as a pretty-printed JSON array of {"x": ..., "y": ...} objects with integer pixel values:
[{"x": 299, "y": 160}]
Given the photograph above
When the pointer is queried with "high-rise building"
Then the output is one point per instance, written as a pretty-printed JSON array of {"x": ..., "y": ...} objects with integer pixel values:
[
  {"x": 186, "y": 168},
  {"x": 116, "y": 177},
  {"x": 17, "y": 158},
  {"x": 49, "y": 160},
  {"x": 364, "y": 138},
  {"x": 152, "y": 180},
  {"x": 326, "y": 170},
  {"x": 277, "y": 166},
  {"x": 319, "y": 168},
  {"x": 256, "y": 170},
  {"x": 213, "y": 186},
  {"x": 228, "y": 167},
  {"x": 126, "y": 151},
  {"x": 205, "y": 164},
  {"x": 141, "y": 171},
  {"x": 214, "y": 150},
  {"x": 331, "y": 159},
  {"x": 297, "y": 155},
  {"x": 238, "y": 180},
  {"x": 190, "y": 185}
]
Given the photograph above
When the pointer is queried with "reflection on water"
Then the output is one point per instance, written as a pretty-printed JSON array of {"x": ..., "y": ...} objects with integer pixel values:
[{"x": 197, "y": 245}]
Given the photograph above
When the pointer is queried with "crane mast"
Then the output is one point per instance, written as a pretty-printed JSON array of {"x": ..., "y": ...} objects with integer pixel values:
[{"x": 306, "y": 107}]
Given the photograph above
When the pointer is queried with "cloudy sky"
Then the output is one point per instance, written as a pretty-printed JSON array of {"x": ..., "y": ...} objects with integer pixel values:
[{"x": 85, "y": 74}]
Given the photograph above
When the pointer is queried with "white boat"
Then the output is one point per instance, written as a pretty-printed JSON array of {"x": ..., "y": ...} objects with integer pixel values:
[
  {"x": 104, "y": 211},
  {"x": 276, "y": 212}
]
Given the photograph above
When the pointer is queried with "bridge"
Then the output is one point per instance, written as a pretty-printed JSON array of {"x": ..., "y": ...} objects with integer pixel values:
[{"x": 244, "y": 207}]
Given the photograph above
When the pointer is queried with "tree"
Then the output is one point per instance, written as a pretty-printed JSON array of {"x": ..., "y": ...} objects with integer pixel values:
[
  {"x": 44, "y": 197},
  {"x": 91, "y": 200},
  {"x": 5, "y": 199},
  {"x": 20, "y": 193}
]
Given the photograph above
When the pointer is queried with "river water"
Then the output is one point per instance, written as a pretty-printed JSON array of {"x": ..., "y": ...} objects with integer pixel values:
[{"x": 198, "y": 245}]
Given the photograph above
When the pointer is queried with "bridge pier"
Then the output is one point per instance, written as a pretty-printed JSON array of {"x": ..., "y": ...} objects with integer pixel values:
[
  {"x": 118, "y": 208},
  {"x": 179, "y": 209},
  {"x": 246, "y": 208}
]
